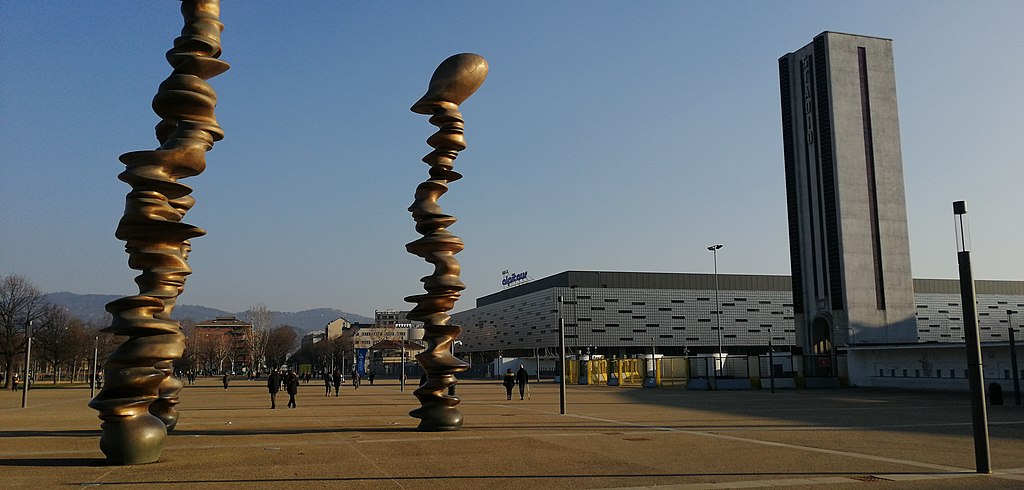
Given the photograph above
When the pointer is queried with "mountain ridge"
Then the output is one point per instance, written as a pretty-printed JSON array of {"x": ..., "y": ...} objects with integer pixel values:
[{"x": 91, "y": 307}]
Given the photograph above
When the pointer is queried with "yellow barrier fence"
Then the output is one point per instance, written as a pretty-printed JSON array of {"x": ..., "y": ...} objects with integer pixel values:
[{"x": 670, "y": 371}]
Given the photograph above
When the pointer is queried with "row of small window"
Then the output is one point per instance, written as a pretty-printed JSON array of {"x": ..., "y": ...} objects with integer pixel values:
[
  {"x": 938, "y": 373},
  {"x": 674, "y": 301},
  {"x": 991, "y": 307},
  {"x": 917, "y": 373}
]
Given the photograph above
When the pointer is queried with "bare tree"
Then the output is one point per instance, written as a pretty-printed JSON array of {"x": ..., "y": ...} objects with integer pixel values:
[
  {"x": 221, "y": 350},
  {"x": 205, "y": 351},
  {"x": 190, "y": 358},
  {"x": 256, "y": 339},
  {"x": 20, "y": 303},
  {"x": 280, "y": 343},
  {"x": 104, "y": 343},
  {"x": 82, "y": 343},
  {"x": 56, "y": 339},
  {"x": 338, "y": 347}
]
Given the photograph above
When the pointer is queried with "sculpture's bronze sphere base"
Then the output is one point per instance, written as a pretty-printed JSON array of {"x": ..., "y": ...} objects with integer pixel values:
[
  {"x": 133, "y": 440},
  {"x": 438, "y": 418}
]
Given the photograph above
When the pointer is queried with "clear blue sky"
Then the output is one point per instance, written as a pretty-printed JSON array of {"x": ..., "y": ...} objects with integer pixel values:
[{"x": 608, "y": 136}]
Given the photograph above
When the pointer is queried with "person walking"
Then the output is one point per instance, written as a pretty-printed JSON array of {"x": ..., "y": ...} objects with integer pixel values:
[
  {"x": 522, "y": 377},
  {"x": 292, "y": 385},
  {"x": 369, "y": 376},
  {"x": 355, "y": 378},
  {"x": 224, "y": 379},
  {"x": 327, "y": 382},
  {"x": 509, "y": 382},
  {"x": 273, "y": 386},
  {"x": 337, "y": 381}
]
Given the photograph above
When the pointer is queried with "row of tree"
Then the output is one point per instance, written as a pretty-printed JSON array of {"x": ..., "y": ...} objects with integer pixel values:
[{"x": 62, "y": 343}]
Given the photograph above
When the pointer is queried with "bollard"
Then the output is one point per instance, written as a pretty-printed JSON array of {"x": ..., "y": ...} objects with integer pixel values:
[{"x": 995, "y": 394}]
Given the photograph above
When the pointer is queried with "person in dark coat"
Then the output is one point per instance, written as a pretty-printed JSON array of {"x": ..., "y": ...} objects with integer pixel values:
[
  {"x": 327, "y": 383},
  {"x": 224, "y": 379},
  {"x": 291, "y": 383},
  {"x": 522, "y": 377},
  {"x": 355, "y": 378},
  {"x": 509, "y": 382},
  {"x": 337, "y": 381},
  {"x": 369, "y": 376},
  {"x": 273, "y": 386}
]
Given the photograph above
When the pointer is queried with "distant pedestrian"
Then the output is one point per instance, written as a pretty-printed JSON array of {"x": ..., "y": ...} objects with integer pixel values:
[
  {"x": 509, "y": 382},
  {"x": 224, "y": 379},
  {"x": 337, "y": 381},
  {"x": 292, "y": 385},
  {"x": 522, "y": 377},
  {"x": 355, "y": 378},
  {"x": 273, "y": 386},
  {"x": 369, "y": 376}
]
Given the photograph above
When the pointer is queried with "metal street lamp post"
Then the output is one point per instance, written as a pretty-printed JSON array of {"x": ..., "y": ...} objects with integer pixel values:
[
  {"x": 95, "y": 362},
  {"x": 536, "y": 357},
  {"x": 28, "y": 359},
  {"x": 451, "y": 388},
  {"x": 561, "y": 359},
  {"x": 718, "y": 304},
  {"x": 1013, "y": 357},
  {"x": 976, "y": 377}
]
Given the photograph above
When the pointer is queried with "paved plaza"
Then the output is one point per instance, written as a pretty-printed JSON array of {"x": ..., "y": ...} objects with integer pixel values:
[{"x": 610, "y": 438}]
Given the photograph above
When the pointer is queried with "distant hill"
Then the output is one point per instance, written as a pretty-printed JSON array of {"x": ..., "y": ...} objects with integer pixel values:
[{"x": 91, "y": 307}]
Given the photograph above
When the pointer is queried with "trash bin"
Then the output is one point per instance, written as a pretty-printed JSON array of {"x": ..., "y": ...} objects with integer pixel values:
[{"x": 995, "y": 394}]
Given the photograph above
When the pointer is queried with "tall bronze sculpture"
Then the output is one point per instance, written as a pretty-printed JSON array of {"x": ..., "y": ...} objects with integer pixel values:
[
  {"x": 137, "y": 402},
  {"x": 455, "y": 79}
]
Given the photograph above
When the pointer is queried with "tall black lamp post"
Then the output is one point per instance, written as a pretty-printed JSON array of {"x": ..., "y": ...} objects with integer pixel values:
[
  {"x": 1013, "y": 357},
  {"x": 718, "y": 307},
  {"x": 561, "y": 359},
  {"x": 28, "y": 359},
  {"x": 95, "y": 364},
  {"x": 976, "y": 377}
]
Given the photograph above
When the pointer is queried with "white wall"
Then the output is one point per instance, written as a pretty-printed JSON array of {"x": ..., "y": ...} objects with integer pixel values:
[{"x": 929, "y": 367}]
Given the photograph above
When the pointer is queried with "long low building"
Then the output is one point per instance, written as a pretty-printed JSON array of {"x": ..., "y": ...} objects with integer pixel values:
[{"x": 624, "y": 313}]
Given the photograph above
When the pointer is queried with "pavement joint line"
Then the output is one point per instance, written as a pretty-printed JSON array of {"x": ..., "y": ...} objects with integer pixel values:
[
  {"x": 785, "y": 482},
  {"x": 348, "y": 442},
  {"x": 951, "y": 469}
]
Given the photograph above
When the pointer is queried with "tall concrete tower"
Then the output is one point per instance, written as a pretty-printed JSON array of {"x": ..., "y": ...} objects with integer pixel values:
[{"x": 848, "y": 237}]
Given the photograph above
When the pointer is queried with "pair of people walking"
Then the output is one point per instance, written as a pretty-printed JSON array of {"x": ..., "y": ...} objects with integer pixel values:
[
  {"x": 291, "y": 386},
  {"x": 520, "y": 377}
]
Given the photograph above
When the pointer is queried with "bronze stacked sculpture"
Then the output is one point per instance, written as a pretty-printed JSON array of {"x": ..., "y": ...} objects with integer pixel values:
[
  {"x": 137, "y": 402},
  {"x": 455, "y": 79}
]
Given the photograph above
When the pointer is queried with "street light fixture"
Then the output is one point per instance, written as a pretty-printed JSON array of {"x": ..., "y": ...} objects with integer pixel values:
[{"x": 718, "y": 305}]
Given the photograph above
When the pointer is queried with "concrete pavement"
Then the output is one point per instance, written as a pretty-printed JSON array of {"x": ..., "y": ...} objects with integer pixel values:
[{"x": 610, "y": 438}]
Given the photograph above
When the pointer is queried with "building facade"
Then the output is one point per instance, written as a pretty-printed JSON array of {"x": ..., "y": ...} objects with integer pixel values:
[
  {"x": 224, "y": 341},
  {"x": 849, "y": 245},
  {"x": 337, "y": 328},
  {"x": 626, "y": 313}
]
